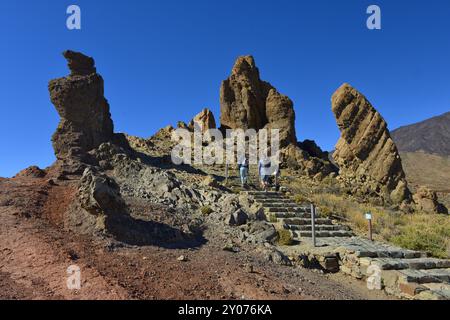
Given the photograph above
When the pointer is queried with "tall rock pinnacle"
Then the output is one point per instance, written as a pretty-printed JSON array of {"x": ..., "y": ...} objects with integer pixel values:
[
  {"x": 247, "y": 102},
  {"x": 365, "y": 153},
  {"x": 85, "y": 119}
]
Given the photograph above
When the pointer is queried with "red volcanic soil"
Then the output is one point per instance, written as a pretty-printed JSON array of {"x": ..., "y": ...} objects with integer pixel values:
[{"x": 35, "y": 252}]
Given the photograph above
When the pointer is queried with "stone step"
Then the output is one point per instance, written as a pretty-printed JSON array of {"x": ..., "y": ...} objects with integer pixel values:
[
  {"x": 305, "y": 221},
  {"x": 415, "y": 263},
  {"x": 426, "y": 276},
  {"x": 268, "y": 198},
  {"x": 291, "y": 215},
  {"x": 382, "y": 253},
  {"x": 280, "y": 205},
  {"x": 320, "y": 227},
  {"x": 440, "y": 291},
  {"x": 265, "y": 193},
  {"x": 276, "y": 200},
  {"x": 322, "y": 234},
  {"x": 287, "y": 209}
]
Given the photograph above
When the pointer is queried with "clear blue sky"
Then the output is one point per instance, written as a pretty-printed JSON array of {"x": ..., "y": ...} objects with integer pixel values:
[{"x": 163, "y": 61}]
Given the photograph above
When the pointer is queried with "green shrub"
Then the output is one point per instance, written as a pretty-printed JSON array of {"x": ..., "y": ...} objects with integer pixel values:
[
  {"x": 325, "y": 212},
  {"x": 425, "y": 235},
  {"x": 206, "y": 210},
  {"x": 285, "y": 237},
  {"x": 299, "y": 199},
  {"x": 430, "y": 233}
]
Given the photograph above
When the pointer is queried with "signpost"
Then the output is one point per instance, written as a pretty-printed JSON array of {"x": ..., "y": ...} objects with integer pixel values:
[
  {"x": 368, "y": 216},
  {"x": 226, "y": 174},
  {"x": 313, "y": 224}
]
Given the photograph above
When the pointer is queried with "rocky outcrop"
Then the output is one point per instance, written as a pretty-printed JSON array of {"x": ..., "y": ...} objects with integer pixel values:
[
  {"x": 300, "y": 160},
  {"x": 85, "y": 119},
  {"x": 313, "y": 149},
  {"x": 31, "y": 172},
  {"x": 99, "y": 195},
  {"x": 204, "y": 121},
  {"x": 247, "y": 102},
  {"x": 365, "y": 153},
  {"x": 427, "y": 202}
]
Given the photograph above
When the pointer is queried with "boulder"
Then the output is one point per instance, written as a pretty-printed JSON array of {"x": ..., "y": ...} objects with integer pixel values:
[
  {"x": 99, "y": 195},
  {"x": 427, "y": 201},
  {"x": 238, "y": 218},
  {"x": 261, "y": 232},
  {"x": 204, "y": 121},
  {"x": 79, "y": 100},
  {"x": 276, "y": 256},
  {"x": 247, "y": 102},
  {"x": 295, "y": 158},
  {"x": 211, "y": 182},
  {"x": 365, "y": 153}
]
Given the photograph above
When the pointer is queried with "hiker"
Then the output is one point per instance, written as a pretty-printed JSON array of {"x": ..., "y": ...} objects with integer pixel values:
[
  {"x": 264, "y": 166},
  {"x": 243, "y": 171}
]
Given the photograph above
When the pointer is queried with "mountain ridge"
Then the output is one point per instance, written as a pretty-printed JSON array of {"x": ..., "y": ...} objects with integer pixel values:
[{"x": 431, "y": 136}]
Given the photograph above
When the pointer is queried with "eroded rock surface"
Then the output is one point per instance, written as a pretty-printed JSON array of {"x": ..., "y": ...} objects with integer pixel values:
[
  {"x": 247, "y": 102},
  {"x": 204, "y": 121},
  {"x": 79, "y": 99},
  {"x": 427, "y": 201},
  {"x": 365, "y": 153}
]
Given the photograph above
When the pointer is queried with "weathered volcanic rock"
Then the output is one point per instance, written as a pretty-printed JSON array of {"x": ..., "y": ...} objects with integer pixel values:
[
  {"x": 99, "y": 194},
  {"x": 295, "y": 158},
  {"x": 31, "y": 172},
  {"x": 427, "y": 201},
  {"x": 85, "y": 119},
  {"x": 79, "y": 64},
  {"x": 280, "y": 115},
  {"x": 204, "y": 120},
  {"x": 365, "y": 153},
  {"x": 313, "y": 149},
  {"x": 247, "y": 102}
]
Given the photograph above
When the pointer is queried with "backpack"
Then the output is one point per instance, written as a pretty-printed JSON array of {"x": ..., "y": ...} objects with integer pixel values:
[{"x": 243, "y": 164}]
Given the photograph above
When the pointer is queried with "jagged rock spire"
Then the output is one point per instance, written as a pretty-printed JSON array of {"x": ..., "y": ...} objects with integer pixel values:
[
  {"x": 85, "y": 118},
  {"x": 247, "y": 102}
]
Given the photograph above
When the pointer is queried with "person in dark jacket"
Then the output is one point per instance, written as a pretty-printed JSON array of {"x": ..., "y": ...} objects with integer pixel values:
[{"x": 243, "y": 171}]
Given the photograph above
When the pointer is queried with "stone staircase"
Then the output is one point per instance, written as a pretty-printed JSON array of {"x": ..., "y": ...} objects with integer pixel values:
[
  {"x": 296, "y": 218},
  {"x": 401, "y": 272}
]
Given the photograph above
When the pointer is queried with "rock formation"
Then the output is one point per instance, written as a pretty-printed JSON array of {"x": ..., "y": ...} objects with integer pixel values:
[
  {"x": 365, "y": 153},
  {"x": 300, "y": 160},
  {"x": 204, "y": 120},
  {"x": 85, "y": 119},
  {"x": 247, "y": 102},
  {"x": 427, "y": 201}
]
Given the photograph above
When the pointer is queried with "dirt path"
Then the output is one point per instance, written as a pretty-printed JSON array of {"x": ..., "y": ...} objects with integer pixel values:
[
  {"x": 34, "y": 257},
  {"x": 30, "y": 260}
]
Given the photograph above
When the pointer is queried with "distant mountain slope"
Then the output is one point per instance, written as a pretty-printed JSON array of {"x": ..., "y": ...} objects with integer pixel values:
[
  {"x": 423, "y": 169},
  {"x": 431, "y": 170},
  {"x": 430, "y": 136}
]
